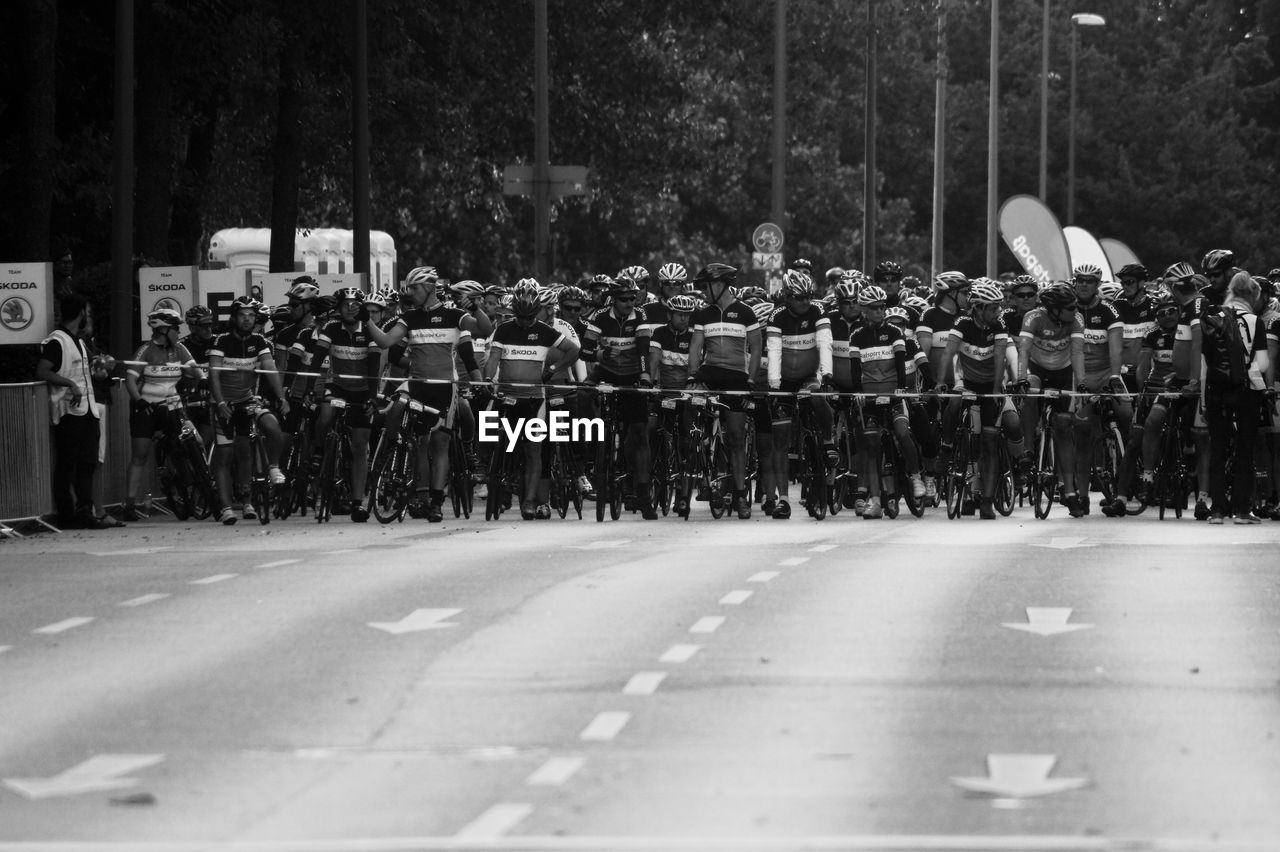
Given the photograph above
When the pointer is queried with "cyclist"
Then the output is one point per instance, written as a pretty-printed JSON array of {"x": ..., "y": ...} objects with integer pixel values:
[
  {"x": 152, "y": 379},
  {"x": 888, "y": 276},
  {"x": 844, "y": 319},
  {"x": 979, "y": 342},
  {"x": 724, "y": 352},
  {"x": 832, "y": 279},
  {"x": 1100, "y": 348},
  {"x": 1045, "y": 363},
  {"x": 669, "y": 361},
  {"x": 878, "y": 362},
  {"x": 610, "y": 346},
  {"x": 198, "y": 342},
  {"x": 433, "y": 333},
  {"x": 597, "y": 289},
  {"x": 1219, "y": 267},
  {"x": 301, "y": 316},
  {"x": 798, "y": 342},
  {"x": 525, "y": 354},
  {"x": 950, "y": 300},
  {"x": 919, "y": 378},
  {"x": 235, "y": 361},
  {"x": 1137, "y": 309},
  {"x": 671, "y": 282},
  {"x": 300, "y": 370}
]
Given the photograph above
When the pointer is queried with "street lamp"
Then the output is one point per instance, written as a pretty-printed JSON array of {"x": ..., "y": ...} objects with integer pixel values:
[{"x": 1080, "y": 19}]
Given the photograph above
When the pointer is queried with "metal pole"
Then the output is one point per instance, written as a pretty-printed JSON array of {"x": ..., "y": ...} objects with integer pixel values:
[
  {"x": 869, "y": 224},
  {"x": 360, "y": 141},
  {"x": 779, "y": 205},
  {"x": 939, "y": 140},
  {"x": 122, "y": 290},
  {"x": 541, "y": 144},
  {"x": 993, "y": 140},
  {"x": 1071, "y": 134},
  {"x": 1044, "y": 108}
]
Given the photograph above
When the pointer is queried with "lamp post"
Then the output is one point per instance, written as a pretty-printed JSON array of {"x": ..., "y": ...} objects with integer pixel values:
[
  {"x": 1044, "y": 107},
  {"x": 1081, "y": 19}
]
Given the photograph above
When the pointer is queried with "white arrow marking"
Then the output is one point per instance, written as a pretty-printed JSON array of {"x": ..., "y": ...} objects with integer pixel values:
[
  {"x": 136, "y": 551},
  {"x": 600, "y": 545},
  {"x": 98, "y": 773},
  {"x": 1064, "y": 543},
  {"x": 63, "y": 626},
  {"x": 1020, "y": 776},
  {"x": 1047, "y": 621},
  {"x": 419, "y": 619}
]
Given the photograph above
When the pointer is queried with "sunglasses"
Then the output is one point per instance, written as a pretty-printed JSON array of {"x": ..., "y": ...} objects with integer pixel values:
[
  {"x": 1167, "y": 312},
  {"x": 1026, "y": 295},
  {"x": 571, "y": 307},
  {"x": 1088, "y": 280},
  {"x": 624, "y": 298}
]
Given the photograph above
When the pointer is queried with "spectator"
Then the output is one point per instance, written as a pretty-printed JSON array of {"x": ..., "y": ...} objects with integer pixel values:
[
  {"x": 65, "y": 365},
  {"x": 1235, "y": 353}
]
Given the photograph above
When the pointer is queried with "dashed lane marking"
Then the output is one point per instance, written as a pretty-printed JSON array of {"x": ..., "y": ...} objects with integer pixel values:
[
  {"x": 763, "y": 576},
  {"x": 495, "y": 822},
  {"x": 605, "y": 726},
  {"x": 679, "y": 653},
  {"x": 644, "y": 683},
  {"x": 344, "y": 550},
  {"x": 278, "y": 563},
  {"x": 708, "y": 624},
  {"x": 555, "y": 771},
  {"x": 737, "y": 596},
  {"x": 795, "y": 560},
  {"x": 822, "y": 548},
  {"x": 216, "y": 578},
  {"x": 63, "y": 626},
  {"x": 133, "y": 551},
  {"x": 144, "y": 600}
]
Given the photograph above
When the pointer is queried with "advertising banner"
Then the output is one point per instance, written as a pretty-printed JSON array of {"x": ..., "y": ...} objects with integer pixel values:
[
  {"x": 1118, "y": 253},
  {"x": 1033, "y": 234},
  {"x": 26, "y": 302},
  {"x": 271, "y": 287},
  {"x": 164, "y": 287},
  {"x": 1086, "y": 249},
  {"x": 217, "y": 288}
]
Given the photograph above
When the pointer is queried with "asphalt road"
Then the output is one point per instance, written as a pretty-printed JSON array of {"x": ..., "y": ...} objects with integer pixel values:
[{"x": 849, "y": 684}]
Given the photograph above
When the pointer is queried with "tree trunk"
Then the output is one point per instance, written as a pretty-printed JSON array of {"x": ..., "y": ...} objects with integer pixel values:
[
  {"x": 186, "y": 232},
  {"x": 155, "y": 152},
  {"x": 37, "y": 137},
  {"x": 287, "y": 155}
]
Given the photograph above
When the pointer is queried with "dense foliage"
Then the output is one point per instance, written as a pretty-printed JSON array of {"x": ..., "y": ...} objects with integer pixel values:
[{"x": 244, "y": 110}]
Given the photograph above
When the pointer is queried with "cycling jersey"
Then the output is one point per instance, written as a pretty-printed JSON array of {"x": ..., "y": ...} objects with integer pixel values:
[
  {"x": 673, "y": 356},
  {"x": 879, "y": 358},
  {"x": 433, "y": 335},
  {"x": 1050, "y": 342},
  {"x": 653, "y": 316},
  {"x": 841, "y": 330},
  {"x": 916, "y": 362},
  {"x": 1161, "y": 343},
  {"x": 1099, "y": 319},
  {"x": 611, "y": 342},
  {"x": 937, "y": 324},
  {"x": 284, "y": 338},
  {"x": 725, "y": 332},
  {"x": 1138, "y": 317},
  {"x": 159, "y": 370},
  {"x": 199, "y": 350},
  {"x": 522, "y": 355},
  {"x": 978, "y": 344},
  {"x": 1011, "y": 319},
  {"x": 799, "y": 346},
  {"x": 575, "y": 371},
  {"x": 1188, "y": 320},
  {"x": 301, "y": 359},
  {"x": 353, "y": 356},
  {"x": 239, "y": 357}
]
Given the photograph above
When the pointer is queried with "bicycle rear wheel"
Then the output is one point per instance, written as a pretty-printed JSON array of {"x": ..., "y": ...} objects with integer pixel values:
[
  {"x": 1004, "y": 494},
  {"x": 814, "y": 479},
  {"x": 958, "y": 476},
  {"x": 204, "y": 496},
  {"x": 1111, "y": 462},
  {"x": 1044, "y": 484},
  {"x": 384, "y": 490}
]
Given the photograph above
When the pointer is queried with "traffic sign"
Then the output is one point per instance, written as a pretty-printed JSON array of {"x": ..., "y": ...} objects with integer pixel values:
[
  {"x": 767, "y": 238},
  {"x": 766, "y": 260},
  {"x": 561, "y": 180}
]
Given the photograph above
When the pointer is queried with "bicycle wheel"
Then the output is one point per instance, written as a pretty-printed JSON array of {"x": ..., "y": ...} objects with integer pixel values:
[
  {"x": 495, "y": 502},
  {"x": 616, "y": 465},
  {"x": 173, "y": 480},
  {"x": 322, "y": 505},
  {"x": 958, "y": 475},
  {"x": 1003, "y": 496},
  {"x": 604, "y": 475},
  {"x": 204, "y": 496},
  {"x": 660, "y": 477},
  {"x": 1111, "y": 461},
  {"x": 383, "y": 500},
  {"x": 1044, "y": 484},
  {"x": 716, "y": 462},
  {"x": 814, "y": 481}
]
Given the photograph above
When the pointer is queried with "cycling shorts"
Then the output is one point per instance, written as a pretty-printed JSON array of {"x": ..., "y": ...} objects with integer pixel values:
[
  {"x": 1057, "y": 380},
  {"x": 438, "y": 395},
  {"x": 721, "y": 379},
  {"x": 632, "y": 406},
  {"x": 243, "y": 413},
  {"x": 876, "y": 414},
  {"x": 357, "y": 405},
  {"x": 146, "y": 422},
  {"x": 784, "y": 407}
]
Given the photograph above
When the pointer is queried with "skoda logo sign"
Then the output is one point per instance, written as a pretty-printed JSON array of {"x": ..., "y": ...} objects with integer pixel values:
[{"x": 16, "y": 313}]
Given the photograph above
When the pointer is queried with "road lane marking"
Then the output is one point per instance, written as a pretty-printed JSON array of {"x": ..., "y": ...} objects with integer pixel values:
[
  {"x": 708, "y": 624},
  {"x": 644, "y": 683},
  {"x": 134, "y": 551},
  {"x": 600, "y": 545},
  {"x": 605, "y": 726},
  {"x": 495, "y": 822},
  {"x": 555, "y": 771},
  {"x": 417, "y": 621},
  {"x": 345, "y": 550},
  {"x": 737, "y": 596},
  {"x": 795, "y": 560},
  {"x": 144, "y": 600},
  {"x": 763, "y": 576},
  {"x": 99, "y": 773},
  {"x": 822, "y": 548},
  {"x": 63, "y": 626},
  {"x": 216, "y": 578},
  {"x": 278, "y": 563},
  {"x": 1047, "y": 621},
  {"x": 679, "y": 653},
  {"x": 1019, "y": 776},
  {"x": 4, "y": 648}
]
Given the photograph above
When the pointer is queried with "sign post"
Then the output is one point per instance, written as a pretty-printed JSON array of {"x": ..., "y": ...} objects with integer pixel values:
[
  {"x": 26, "y": 302},
  {"x": 767, "y": 240},
  {"x": 164, "y": 287}
]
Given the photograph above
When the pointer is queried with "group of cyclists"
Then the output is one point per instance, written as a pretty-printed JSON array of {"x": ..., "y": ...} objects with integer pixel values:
[{"x": 863, "y": 366}]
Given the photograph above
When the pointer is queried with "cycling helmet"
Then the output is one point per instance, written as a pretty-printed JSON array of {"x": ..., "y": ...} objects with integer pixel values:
[
  {"x": 1217, "y": 260},
  {"x": 682, "y": 304},
  {"x": 833, "y": 276},
  {"x": 495, "y": 290},
  {"x": 951, "y": 281},
  {"x": 326, "y": 305},
  {"x": 197, "y": 314},
  {"x": 764, "y": 311},
  {"x": 985, "y": 292},
  {"x": 1025, "y": 280},
  {"x": 467, "y": 288},
  {"x": 526, "y": 300},
  {"x": 638, "y": 274},
  {"x": 281, "y": 315},
  {"x": 672, "y": 273},
  {"x": 898, "y": 313},
  {"x": 355, "y": 294},
  {"x": 1132, "y": 270},
  {"x": 1058, "y": 297},
  {"x": 1087, "y": 270},
  {"x": 164, "y": 318},
  {"x": 245, "y": 303},
  {"x": 911, "y": 282},
  {"x": 1109, "y": 291},
  {"x": 376, "y": 299},
  {"x": 803, "y": 265},
  {"x": 1165, "y": 301},
  {"x": 425, "y": 275},
  {"x": 624, "y": 285},
  {"x": 796, "y": 283},
  {"x": 872, "y": 295},
  {"x": 888, "y": 269},
  {"x": 304, "y": 289},
  {"x": 1179, "y": 270},
  {"x": 571, "y": 294},
  {"x": 721, "y": 273},
  {"x": 1274, "y": 275},
  {"x": 845, "y": 291},
  {"x": 914, "y": 302},
  {"x": 547, "y": 296},
  {"x": 753, "y": 294}
]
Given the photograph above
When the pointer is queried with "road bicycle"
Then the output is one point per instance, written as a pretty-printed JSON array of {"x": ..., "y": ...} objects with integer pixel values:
[
  {"x": 395, "y": 462},
  {"x": 332, "y": 483},
  {"x": 811, "y": 460},
  {"x": 182, "y": 465}
]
